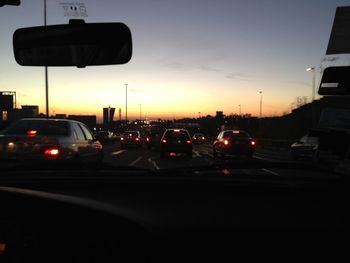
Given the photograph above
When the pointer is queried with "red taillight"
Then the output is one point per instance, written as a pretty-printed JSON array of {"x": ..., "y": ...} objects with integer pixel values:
[
  {"x": 137, "y": 139},
  {"x": 52, "y": 151},
  {"x": 188, "y": 142},
  {"x": 176, "y": 130},
  {"x": 226, "y": 142},
  {"x": 252, "y": 143},
  {"x": 122, "y": 139},
  {"x": 163, "y": 141},
  {"x": 147, "y": 139},
  {"x": 32, "y": 132}
]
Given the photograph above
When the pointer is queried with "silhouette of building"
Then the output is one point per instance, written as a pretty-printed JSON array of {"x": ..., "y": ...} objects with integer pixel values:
[{"x": 88, "y": 120}]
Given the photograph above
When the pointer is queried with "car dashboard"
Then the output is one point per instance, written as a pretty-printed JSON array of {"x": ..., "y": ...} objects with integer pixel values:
[{"x": 133, "y": 217}]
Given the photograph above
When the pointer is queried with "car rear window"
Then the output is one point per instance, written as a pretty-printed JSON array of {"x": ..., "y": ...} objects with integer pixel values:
[
  {"x": 240, "y": 134},
  {"x": 172, "y": 135},
  {"x": 132, "y": 134},
  {"x": 45, "y": 128}
]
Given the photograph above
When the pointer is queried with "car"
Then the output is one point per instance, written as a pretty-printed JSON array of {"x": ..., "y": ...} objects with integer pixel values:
[
  {"x": 39, "y": 139},
  {"x": 175, "y": 141},
  {"x": 306, "y": 148},
  {"x": 131, "y": 138},
  {"x": 234, "y": 142},
  {"x": 198, "y": 138},
  {"x": 152, "y": 139}
]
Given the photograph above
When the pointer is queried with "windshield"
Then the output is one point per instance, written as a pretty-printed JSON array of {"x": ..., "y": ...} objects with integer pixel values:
[{"x": 209, "y": 82}]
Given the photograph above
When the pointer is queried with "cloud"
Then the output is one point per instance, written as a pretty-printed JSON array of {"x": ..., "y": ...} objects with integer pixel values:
[
  {"x": 177, "y": 66},
  {"x": 236, "y": 76},
  {"x": 207, "y": 68}
]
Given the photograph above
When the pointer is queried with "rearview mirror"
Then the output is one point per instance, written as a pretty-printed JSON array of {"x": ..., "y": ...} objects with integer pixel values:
[
  {"x": 335, "y": 81},
  {"x": 76, "y": 44}
]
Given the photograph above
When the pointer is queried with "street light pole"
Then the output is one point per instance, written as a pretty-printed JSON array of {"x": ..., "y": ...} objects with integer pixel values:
[
  {"x": 126, "y": 104},
  {"x": 140, "y": 113},
  {"x": 239, "y": 106},
  {"x": 46, "y": 71},
  {"x": 313, "y": 117},
  {"x": 313, "y": 93},
  {"x": 260, "y": 92}
]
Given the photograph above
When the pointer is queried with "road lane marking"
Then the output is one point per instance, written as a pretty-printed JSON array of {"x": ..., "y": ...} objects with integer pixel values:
[
  {"x": 135, "y": 161},
  {"x": 196, "y": 154},
  {"x": 269, "y": 171},
  {"x": 153, "y": 163},
  {"x": 118, "y": 152}
]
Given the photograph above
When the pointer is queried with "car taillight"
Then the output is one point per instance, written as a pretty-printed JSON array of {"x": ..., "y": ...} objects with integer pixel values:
[
  {"x": 164, "y": 141},
  {"x": 147, "y": 139},
  {"x": 226, "y": 142},
  {"x": 54, "y": 151},
  {"x": 188, "y": 142},
  {"x": 122, "y": 139},
  {"x": 137, "y": 139},
  {"x": 252, "y": 143},
  {"x": 32, "y": 132}
]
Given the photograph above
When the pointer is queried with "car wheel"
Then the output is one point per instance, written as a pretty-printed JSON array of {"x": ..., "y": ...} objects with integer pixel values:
[
  {"x": 162, "y": 154},
  {"x": 294, "y": 156}
]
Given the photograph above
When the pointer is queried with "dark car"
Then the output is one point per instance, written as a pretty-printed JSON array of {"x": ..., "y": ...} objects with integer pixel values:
[
  {"x": 49, "y": 139},
  {"x": 198, "y": 138},
  {"x": 152, "y": 139},
  {"x": 306, "y": 148},
  {"x": 176, "y": 141},
  {"x": 234, "y": 142},
  {"x": 131, "y": 138}
]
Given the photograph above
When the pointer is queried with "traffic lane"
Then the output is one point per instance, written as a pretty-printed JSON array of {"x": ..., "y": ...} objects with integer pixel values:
[
  {"x": 151, "y": 159},
  {"x": 202, "y": 156},
  {"x": 130, "y": 156}
]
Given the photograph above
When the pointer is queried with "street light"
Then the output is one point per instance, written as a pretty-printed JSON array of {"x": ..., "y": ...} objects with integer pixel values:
[
  {"x": 313, "y": 70},
  {"x": 126, "y": 104},
  {"x": 140, "y": 112},
  {"x": 260, "y": 92},
  {"x": 239, "y": 106},
  {"x": 46, "y": 71}
]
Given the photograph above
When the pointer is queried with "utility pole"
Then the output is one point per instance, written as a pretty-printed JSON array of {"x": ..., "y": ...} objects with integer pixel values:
[
  {"x": 260, "y": 92},
  {"x": 140, "y": 112},
  {"x": 46, "y": 71},
  {"x": 240, "y": 113},
  {"x": 126, "y": 104}
]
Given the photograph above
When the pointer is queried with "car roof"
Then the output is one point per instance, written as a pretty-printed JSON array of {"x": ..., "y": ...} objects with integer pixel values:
[{"x": 44, "y": 119}]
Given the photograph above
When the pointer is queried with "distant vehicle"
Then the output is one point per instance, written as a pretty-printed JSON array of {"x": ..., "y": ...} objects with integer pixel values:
[
  {"x": 49, "y": 140},
  {"x": 131, "y": 138},
  {"x": 152, "y": 138},
  {"x": 199, "y": 138},
  {"x": 306, "y": 148},
  {"x": 234, "y": 142},
  {"x": 105, "y": 136},
  {"x": 176, "y": 141}
]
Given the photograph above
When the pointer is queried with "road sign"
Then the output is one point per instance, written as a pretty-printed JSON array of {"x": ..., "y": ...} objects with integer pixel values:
[{"x": 74, "y": 9}]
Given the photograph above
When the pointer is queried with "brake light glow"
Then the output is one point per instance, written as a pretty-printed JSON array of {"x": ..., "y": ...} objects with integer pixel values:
[
  {"x": 163, "y": 141},
  {"x": 122, "y": 139},
  {"x": 252, "y": 143},
  {"x": 137, "y": 139},
  {"x": 176, "y": 130},
  {"x": 188, "y": 142},
  {"x": 147, "y": 139},
  {"x": 226, "y": 142},
  {"x": 235, "y": 132},
  {"x": 32, "y": 132},
  {"x": 52, "y": 151}
]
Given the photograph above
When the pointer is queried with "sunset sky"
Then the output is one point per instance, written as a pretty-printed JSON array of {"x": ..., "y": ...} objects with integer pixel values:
[{"x": 189, "y": 56}]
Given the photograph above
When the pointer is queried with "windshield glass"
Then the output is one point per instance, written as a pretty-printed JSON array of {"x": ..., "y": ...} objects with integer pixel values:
[{"x": 201, "y": 72}]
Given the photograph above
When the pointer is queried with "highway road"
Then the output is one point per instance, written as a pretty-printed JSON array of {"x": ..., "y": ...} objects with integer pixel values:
[{"x": 202, "y": 156}]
